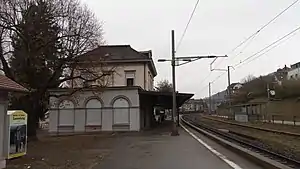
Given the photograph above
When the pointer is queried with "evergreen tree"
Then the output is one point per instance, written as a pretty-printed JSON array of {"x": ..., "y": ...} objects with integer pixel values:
[
  {"x": 35, "y": 51},
  {"x": 40, "y": 45}
]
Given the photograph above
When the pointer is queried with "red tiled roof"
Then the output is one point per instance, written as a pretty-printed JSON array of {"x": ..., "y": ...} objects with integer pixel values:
[{"x": 10, "y": 85}]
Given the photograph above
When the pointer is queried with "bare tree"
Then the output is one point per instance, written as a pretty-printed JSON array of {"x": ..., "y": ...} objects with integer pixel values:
[
  {"x": 248, "y": 78},
  {"x": 79, "y": 32},
  {"x": 76, "y": 31},
  {"x": 164, "y": 86}
]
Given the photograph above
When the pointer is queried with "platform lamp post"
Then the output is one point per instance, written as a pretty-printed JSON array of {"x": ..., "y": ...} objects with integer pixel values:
[{"x": 185, "y": 60}]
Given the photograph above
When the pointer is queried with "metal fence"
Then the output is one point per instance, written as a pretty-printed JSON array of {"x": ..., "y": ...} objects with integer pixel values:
[
  {"x": 273, "y": 118},
  {"x": 280, "y": 119}
]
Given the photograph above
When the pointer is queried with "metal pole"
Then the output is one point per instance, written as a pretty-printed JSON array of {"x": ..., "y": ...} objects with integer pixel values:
[
  {"x": 209, "y": 98},
  {"x": 174, "y": 128},
  {"x": 177, "y": 113},
  {"x": 229, "y": 90},
  {"x": 267, "y": 107},
  {"x": 268, "y": 90}
]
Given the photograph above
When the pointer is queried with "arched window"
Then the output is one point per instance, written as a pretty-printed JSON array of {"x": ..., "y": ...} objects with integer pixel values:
[
  {"x": 120, "y": 111},
  {"x": 66, "y": 113},
  {"x": 93, "y": 112}
]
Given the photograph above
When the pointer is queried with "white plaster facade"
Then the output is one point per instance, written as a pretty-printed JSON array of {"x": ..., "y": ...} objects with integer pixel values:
[
  {"x": 117, "y": 107},
  {"x": 142, "y": 75},
  {"x": 193, "y": 105},
  {"x": 140, "y": 72},
  {"x": 121, "y": 65},
  {"x": 293, "y": 74},
  {"x": 3, "y": 128},
  {"x": 114, "y": 109}
]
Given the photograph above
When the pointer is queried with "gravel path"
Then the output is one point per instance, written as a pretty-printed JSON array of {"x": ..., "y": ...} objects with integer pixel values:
[{"x": 76, "y": 152}]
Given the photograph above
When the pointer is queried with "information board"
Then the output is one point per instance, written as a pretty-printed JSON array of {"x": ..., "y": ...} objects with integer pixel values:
[{"x": 17, "y": 134}]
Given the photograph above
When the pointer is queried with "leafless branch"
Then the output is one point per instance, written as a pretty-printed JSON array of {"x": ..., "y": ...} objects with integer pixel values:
[
  {"x": 79, "y": 32},
  {"x": 66, "y": 94}
]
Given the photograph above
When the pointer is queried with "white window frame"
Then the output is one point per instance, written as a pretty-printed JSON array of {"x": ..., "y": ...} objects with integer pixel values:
[
  {"x": 91, "y": 110},
  {"x": 130, "y": 74},
  {"x": 117, "y": 108}
]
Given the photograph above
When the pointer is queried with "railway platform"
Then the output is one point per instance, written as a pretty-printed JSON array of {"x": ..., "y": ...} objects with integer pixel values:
[{"x": 158, "y": 150}]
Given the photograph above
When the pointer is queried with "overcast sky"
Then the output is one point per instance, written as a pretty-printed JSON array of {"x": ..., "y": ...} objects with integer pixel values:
[{"x": 216, "y": 28}]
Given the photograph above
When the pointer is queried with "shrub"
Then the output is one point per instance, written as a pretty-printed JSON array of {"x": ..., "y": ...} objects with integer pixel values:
[{"x": 288, "y": 89}]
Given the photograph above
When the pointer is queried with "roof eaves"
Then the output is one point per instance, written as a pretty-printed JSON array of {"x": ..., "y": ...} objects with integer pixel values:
[
  {"x": 9, "y": 85},
  {"x": 97, "y": 89}
]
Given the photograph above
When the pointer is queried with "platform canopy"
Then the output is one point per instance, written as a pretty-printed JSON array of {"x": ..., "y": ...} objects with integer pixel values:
[{"x": 163, "y": 99}]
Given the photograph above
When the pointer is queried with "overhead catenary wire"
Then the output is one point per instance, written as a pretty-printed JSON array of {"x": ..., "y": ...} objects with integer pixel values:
[
  {"x": 218, "y": 77},
  {"x": 262, "y": 51},
  {"x": 267, "y": 47},
  {"x": 243, "y": 49},
  {"x": 276, "y": 45},
  {"x": 187, "y": 25},
  {"x": 264, "y": 26},
  {"x": 251, "y": 37},
  {"x": 205, "y": 78},
  {"x": 205, "y": 87}
]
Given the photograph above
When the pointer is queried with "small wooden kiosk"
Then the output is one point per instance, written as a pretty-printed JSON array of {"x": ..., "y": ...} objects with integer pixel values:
[{"x": 6, "y": 85}]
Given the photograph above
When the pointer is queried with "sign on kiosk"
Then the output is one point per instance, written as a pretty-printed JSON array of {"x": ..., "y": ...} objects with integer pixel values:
[{"x": 17, "y": 135}]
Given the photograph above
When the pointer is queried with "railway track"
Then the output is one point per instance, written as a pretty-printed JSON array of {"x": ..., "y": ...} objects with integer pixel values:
[
  {"x": 256, "y": 128},
  {"x": 244, "y": 141}
]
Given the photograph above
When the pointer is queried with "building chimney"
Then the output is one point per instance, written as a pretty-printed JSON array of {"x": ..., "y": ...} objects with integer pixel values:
[{"x": 147, "y": 53}]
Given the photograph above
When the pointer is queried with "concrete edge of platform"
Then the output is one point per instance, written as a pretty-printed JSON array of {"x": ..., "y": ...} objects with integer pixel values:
[{"x": 253, "y": 156}]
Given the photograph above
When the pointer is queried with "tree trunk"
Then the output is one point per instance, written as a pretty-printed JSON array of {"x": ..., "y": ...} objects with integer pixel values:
[
  {"x": 33, "y": 116},
  {"x": 29, "y": 104},
  {"x": 31, "y": 125}
]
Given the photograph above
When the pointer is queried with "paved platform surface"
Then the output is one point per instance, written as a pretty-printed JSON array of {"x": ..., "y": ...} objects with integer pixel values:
[{"x": 162, "y": 151}]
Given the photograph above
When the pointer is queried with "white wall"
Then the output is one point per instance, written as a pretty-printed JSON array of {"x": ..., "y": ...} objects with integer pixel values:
[
  {"x": 135, "y": 122},
  {"x": 142, "y": 78},
  {"x": 293, "y": 73},
  {"x": 107, "y": 98},
  {"x": 53, "y": 120},
  {"x": 149, "y": 79},
  {"x": 119, "y": 75},
  {"x": 3, "y": 129},
  {"x": 141, "y": 75},
  {"x": 2, "y": 135}
]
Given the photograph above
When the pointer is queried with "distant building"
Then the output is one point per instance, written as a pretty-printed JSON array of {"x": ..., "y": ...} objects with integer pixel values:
[
  {"x": 281, "y": 74},
  {"x": 223, "y": 96},
  {"x": 294, "y": 71},
  {"x": 194, "y": 105},
  {"x": 217, "y": 99},
  {"x": 234, "y": 87}
]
